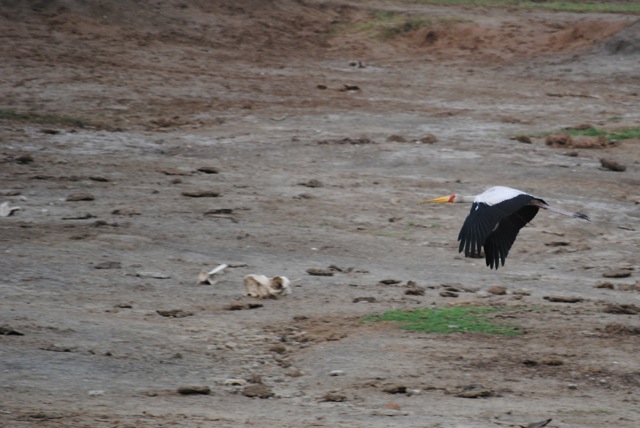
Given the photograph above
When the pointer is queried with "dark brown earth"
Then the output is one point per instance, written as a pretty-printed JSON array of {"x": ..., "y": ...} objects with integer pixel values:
[{"x": 110, "y": 110}]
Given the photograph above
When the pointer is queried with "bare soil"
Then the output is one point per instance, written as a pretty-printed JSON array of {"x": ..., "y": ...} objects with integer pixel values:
[{"x": 314, "y": 127}]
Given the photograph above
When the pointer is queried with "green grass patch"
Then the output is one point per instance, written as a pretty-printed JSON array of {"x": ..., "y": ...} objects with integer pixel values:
[
  {"x": 455, "y": 319},
  {"x": 620, "y": 6},
  {"x": 618, "y": 134},
  {"x": 49, "y": 119}
]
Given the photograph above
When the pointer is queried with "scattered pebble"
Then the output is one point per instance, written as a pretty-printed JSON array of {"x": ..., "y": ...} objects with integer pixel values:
[
  {"x": 127, "y": 211},
  {"x": 389, "y": 281},
  {"x": 320, "y": 272},
  {"x": 201, "y": 193},
  {"x": 498, "y": 290},
  {"x": 76, "y": 197},
  {"x": 365, "y": 299},
  {"x": 5, "y": 330},
  {"x": 618, "y": 273},
  {"x": 23, "y": 159},
  {"x": 174, "y": 171},
  {"x": 612, "y": 165},
  {"x": 334, "y": 396},
  {"x": 563, "y": 299},
  {"x": 605, "y": 284},
  {"x": 209, "y": 169},
  {"x": 475, "y": 391},
  {"x": 258, "y": 390},
  {"x": 194, "y": 389},
  {"x": 312, "y": 183},
  {"x": 278, "y": 348},
  {"x": 615, "y": 328},
  {"x": 108, "y": 265},
  {"x": 415, "y": 291},
  {"x": 628, "y": 309},
  {"x": 235, "y": 382},
  {"x": 152, "y": 274},
  {"x": 522, "y": 139},
  {"x": 243, "y": 306},
  {"x": 428, "y": 139},
  {"x": 448, "y": 294},
  {"x": 96, "y": 392},
  {"x": 395, "y": 389},
  {"x": 174, "y": 313},
  {"x": 396, "y": 139}
]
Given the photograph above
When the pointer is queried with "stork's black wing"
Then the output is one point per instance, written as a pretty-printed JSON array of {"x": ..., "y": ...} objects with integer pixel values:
[
  {"x": 499, "y": 242},
  {"x": 483, "y": 220},
  {"x": 478, "y": 225}
]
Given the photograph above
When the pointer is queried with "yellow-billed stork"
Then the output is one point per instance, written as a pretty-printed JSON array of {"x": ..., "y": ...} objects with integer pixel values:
[{"x": 496, "y": 217}]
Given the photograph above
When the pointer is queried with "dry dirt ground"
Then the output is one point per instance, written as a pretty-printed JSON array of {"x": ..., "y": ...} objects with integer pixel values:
[{"x": 308, "y": 125}]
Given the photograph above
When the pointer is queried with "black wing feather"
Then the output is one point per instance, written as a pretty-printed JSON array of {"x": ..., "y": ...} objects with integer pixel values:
[
  {"x": 495, "y": 228},
  {"x": 499, "y": 242}
]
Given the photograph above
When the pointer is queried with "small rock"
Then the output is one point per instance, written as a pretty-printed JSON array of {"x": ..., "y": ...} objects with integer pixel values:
[
  {"x": 278, "y": 348},
  {"x": 629, "y": 309},
  {"x": 174, "y": 171},
  {"x": 395, "y": 389},
  {"x": 428, "y": 139},
  {"x": 336, "y": 372},
  {"x": 618, "y": 273},
  {"x": 475, "y": 391},
  {"x": 389, "y": 281},
  {"x": 152, "y": 274},
  {"x": 612, "y": 165},
  {"x": 214, "y": 211},
  {"x": 320, "y": 272},
  {"x": 209, "y": 169},
  {"x": 559, "y": 140},
  {"x": 334, "y": 396},
  {"x": 96, "y": 392},
  {"x": 396, "y": 139},
  {"x": 522, "y": 139},
  {"x": 201, "y": 193},
  {"x": 312, "y": 183},
  {"x": 23, "y": 159},
  {"x": 174, "y": 313},
  {"x": 258, "y": 390},
  {"x": 448, "y": 294},
  {"x": 392, "y": 406},
  {"x": 415, "y": 291},
  {"x": 98, "y": 179},
  {"x": 498, "y": 290},
  {"x": 235, "y": 382},
  {"x": 563, "y": 299},
  {"x": 108, "y": 265},
  {"x": 572, "y": 386},
  {"x": 243, "y": 306},
  {"x": 605, "y": 284},
  {"x": 365, "y": 299},
  {"x": 629, "y": 287},
  {"x": 5, "y": 330},
  {"x": 125, "y": 211},
  {"x": 76, "y": 197},
  {"x": 194, "y": 389},
  {"x": 621, "y": 329}
]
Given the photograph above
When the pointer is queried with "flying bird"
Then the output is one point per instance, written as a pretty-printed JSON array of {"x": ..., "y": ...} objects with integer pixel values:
[{"x": 496, "y": 217}]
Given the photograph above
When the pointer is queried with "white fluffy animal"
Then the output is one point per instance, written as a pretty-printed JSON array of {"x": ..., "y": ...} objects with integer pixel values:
[{"x": 263, "y": 287}]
